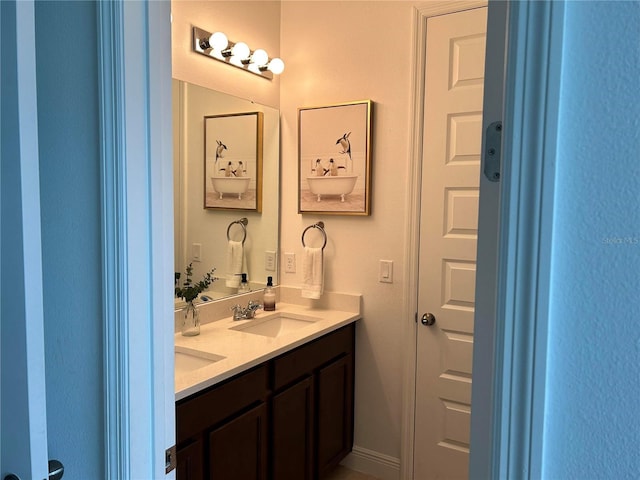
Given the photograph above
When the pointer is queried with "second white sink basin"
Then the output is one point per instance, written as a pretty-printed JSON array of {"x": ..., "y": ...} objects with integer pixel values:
[
  {"x": 276, "y": 325},
  {"x": 188, "y": 360}
]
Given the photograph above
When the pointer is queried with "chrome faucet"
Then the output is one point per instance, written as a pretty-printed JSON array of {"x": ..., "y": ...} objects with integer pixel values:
[{"x": 245, "y": 313}]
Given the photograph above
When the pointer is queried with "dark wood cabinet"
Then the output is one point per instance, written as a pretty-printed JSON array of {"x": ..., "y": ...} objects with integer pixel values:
[
  {"x": 292, "y": 432},
  {"x": 228, "y": 424},
  {"x": 289, "y": 418},
  {"x": 238, "y": 448},
  {"x": 335, "y": 413},
  {"x": 189, "y": 461}
]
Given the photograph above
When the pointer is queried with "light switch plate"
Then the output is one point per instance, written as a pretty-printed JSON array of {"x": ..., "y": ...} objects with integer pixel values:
[
  {"x": 386, "y": 271},
  {"x": 196, "y": 252},
  {"x": 270, "y": 261}
]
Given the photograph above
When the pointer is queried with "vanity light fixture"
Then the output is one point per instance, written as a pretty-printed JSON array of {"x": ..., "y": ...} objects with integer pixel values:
[{"x": 217, "y": 46}]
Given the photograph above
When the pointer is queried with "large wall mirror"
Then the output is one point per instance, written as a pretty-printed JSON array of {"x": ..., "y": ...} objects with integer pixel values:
[{"x": 206, "y": 237}]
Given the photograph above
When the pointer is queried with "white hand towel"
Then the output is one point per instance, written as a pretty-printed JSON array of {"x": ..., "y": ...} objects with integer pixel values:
[
  {"x": 312, "y": 273},
  {"x": 235, "y": 263}
]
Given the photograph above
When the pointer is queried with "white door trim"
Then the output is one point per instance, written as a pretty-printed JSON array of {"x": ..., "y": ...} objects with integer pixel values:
[
  {"x": 488, "y": 221},
  {"x": 137, "y": 236},
  {"x": 410, "y": 300},
  {"x": 24, "y": 423},
  {"x": 513, "y": 353},
  {"x": 115, "y": 290}
]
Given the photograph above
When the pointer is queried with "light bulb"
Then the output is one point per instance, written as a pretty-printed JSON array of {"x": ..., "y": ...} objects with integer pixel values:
[
  {"x": 260, "y": 57},
  {"x": 240, "y": 51},
  {"x": 276, "y": 66},
  {"x": 218, "y": 41}
]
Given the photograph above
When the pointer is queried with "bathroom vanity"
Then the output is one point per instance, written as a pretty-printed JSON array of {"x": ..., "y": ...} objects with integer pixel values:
[{"x": 276, "y": 399}]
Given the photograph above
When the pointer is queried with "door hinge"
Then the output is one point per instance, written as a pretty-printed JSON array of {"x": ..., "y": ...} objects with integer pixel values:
[
  {"x": 170, "y": 461},
  {"x": 493, "y": 151}
]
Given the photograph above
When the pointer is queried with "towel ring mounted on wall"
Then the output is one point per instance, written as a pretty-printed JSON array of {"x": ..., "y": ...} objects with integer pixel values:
[
  {"x": 243, "y": 223},
  {"x": 319, "y": 226}
]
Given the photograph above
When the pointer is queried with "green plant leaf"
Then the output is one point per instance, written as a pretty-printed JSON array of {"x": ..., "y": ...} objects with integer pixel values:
[{"x": 190, "y": 291}]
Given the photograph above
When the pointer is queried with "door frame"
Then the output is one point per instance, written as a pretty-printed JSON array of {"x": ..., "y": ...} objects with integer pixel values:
[
  {"x": 137, "y": 236},
  {"x": 511, "y": 353},
  {"x": 137, "y": 239},
  {"x": 23, "y": 433},
  {"x": 509, "y": 356}
]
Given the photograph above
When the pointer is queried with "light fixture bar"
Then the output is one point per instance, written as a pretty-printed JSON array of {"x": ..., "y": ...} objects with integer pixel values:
[{"x": 202, "y": 45}]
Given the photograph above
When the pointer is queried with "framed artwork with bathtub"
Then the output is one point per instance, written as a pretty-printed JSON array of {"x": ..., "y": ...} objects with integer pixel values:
[
  {"x": 233, "y": 161},
  {"x": 334, "y": 159}
]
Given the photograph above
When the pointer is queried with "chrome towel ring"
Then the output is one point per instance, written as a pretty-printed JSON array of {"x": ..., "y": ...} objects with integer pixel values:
[
  {"x": 243, "y": 223},
  {"x": 319, "y": 226}
]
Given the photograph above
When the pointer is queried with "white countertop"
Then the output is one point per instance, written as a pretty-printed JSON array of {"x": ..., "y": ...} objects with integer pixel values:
[{"x": 241, "y": 350}]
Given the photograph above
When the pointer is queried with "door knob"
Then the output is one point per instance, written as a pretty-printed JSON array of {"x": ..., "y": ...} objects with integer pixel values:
[
  {"x": 56, "y": 470},
  {"x": 428, "y": 319}
]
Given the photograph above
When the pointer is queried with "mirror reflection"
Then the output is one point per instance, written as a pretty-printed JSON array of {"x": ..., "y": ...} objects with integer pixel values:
[
  {"x": 233, "y": 241},
  {"x": 233, "y": 151}
]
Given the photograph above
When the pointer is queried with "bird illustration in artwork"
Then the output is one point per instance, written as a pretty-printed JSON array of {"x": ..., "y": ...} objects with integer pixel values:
[
  {"x": 240, "y": 171},
  {"x": 229, "y": 170},
  {"x": 345, "y": 144},
  {"x": 333, "y": 168},
  {"x": 319, "y": 169},
  {"x": 219, "y": 150}
]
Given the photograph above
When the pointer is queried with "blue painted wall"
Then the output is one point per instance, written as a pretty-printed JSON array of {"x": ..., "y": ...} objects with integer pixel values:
[
  {"x": 68, "y": 131},
  {"x": 592, "y": 428}
]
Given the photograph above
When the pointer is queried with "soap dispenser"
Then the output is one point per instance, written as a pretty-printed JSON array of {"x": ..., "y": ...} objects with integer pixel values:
[
  {"x": 244, "y": 285},
  {"x": 269, "y": 299}
]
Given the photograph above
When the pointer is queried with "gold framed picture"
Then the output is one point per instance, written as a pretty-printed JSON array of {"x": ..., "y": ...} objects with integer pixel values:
[
  {"x": 233, "y": 161},
  {"x": 334, "y": 159}
]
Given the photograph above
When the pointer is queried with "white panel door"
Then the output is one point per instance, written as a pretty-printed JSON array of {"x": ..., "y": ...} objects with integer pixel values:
[
  {"x": 454, "y": 80},
  {"x": 23, "y": 426}
]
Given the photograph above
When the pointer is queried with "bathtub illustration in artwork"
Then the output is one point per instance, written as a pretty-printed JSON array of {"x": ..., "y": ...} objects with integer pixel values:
[
  {"x": 230, "y": 186},
  {"x": 332, "y": 185}
]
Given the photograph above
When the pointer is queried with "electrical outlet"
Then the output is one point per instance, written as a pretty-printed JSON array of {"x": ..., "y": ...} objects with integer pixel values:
[
  {"x": 290, "y": 262},
  {"x": 270, "y": 261}
]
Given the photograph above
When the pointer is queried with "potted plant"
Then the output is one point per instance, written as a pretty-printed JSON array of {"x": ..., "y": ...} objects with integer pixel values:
[{"x": 189, "y": 291}]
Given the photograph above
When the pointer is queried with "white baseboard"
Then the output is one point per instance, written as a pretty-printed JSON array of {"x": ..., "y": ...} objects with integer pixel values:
[{"x": 373, "y": 463}]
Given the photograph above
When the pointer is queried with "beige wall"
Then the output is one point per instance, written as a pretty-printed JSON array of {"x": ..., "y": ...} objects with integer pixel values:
[{"x": 338, "y": 52}]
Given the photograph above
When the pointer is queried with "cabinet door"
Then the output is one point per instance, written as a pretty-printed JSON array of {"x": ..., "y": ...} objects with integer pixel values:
[
  {"x": 335, "y": 413},
  {"x": 292, "y": 432},
  {"x": 238, "y": 449},
  {"x": 189, "y": 462}
]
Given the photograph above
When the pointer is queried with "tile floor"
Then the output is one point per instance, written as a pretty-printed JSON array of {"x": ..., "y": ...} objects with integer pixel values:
[{"x": 343, "y": 473}]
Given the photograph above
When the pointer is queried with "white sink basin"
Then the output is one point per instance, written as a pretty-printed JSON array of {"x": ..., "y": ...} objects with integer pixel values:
[
  {"x": 276, "y": 325},
  {"x": 188, "y": 360}
]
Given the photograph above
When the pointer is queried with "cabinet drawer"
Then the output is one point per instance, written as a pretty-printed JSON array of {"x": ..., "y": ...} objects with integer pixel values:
[
  {"x": 195, "y": 414},
  {"x": 305, "y": 359}
]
